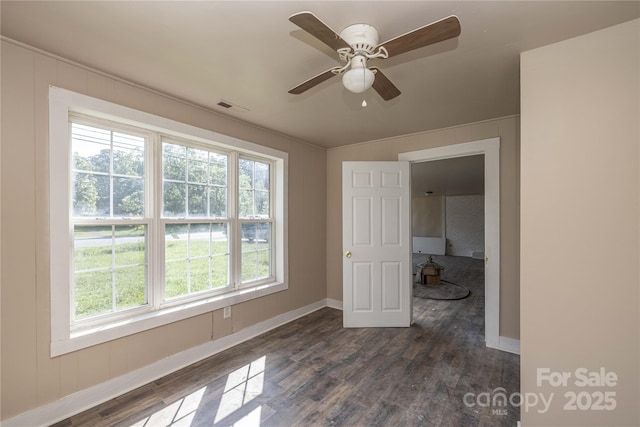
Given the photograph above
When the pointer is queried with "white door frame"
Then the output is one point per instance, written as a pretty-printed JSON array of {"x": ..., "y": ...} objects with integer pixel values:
[{"x": 491, "y": 150}]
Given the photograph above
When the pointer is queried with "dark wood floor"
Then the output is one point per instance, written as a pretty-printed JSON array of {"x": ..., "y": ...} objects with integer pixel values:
[{"x": 314, "y": 372}]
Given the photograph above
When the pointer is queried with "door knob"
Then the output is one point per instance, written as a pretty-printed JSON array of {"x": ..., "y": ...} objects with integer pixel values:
[{"x": 347, "y": 254}]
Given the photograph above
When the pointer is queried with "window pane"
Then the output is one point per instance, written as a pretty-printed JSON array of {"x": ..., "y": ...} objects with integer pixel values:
[
  {"x": 82, "y": 161},
  {"x": 90, "y": 194},
  {"x": 196, "y": 258},
  {"x": 199, "y": 273},
  {"x": 129, "y": 243},
  {"x": 262, "y": 204},
  {"x": 248, "y": 232},
  {"x": 262, "y": 176},
  {"x": 103, "y": 203},
  {"x": 246, "y": 204},
  {"x": 264, "y": 263},
  {"x": 108, "y": 175},
  {"x": 86, "y": 196},
  {"x": 263, "y": 230},
  {"x": 254, "y": 189},
  {"x": 176, "y": 236},
  {"x": 93, "y": 293},
  {"x": 91, "y": 148},
  {"x": 128, "y": 197},
  {"x": 218, "y": 202},
  {"x": 219, "y": 255},
  {"x": 194, "y": 183},
  {"x": 217, "y": 169},
  {"x": 174, "y": 198},
  {"x": 174, "y": 162},
  {"x": 246, "y": 188},
  {"x": 176, "y": 278},
  {"x": 199, "y": 240},
  {"x": 197, "y": 200},
  {"x": 246, "y": 173},
  {"x": 198, "y": 165},
  {"x": 256, "y": 251},
  {"x": 128, "y": 154},
  {"x": 92, "y": 247},
  {"x": 220, "y": 270},
  {"x": 249, "y": 265},
  {"x": 110, "y": 266},
  {"x": 130, "y": 287}
]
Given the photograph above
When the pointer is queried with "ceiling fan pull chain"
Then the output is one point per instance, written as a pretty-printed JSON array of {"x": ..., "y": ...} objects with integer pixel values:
[{"x": 364, "y": 79}]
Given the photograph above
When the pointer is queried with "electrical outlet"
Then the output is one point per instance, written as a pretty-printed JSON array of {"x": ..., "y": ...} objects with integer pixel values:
[{"x": 227, "y": 312}]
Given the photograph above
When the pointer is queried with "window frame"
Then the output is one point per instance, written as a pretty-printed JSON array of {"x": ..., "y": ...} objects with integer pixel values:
[
  {"x": 145, "y": 219},
  {"x": 162, "y": 220},
  {"x": 64, "y": 336}
]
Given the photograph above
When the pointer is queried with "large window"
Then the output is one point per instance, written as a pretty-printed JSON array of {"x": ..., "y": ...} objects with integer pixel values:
[{"x": 164, "y": 222}]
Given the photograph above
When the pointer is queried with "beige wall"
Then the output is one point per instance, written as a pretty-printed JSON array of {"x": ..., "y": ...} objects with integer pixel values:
[
  {"x": 30, "y": 378},
  {"x": 508, "y": 131},
  {"x": 580, "y": 239}
]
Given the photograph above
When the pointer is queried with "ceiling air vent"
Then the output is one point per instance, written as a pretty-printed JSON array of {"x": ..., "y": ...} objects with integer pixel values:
[{"x": 230, "y": 106}]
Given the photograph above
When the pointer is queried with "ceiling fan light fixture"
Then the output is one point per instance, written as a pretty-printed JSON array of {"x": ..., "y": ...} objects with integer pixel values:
[
  {"x": 357, "y": 80},
  {"x": 358, "y": 43}
]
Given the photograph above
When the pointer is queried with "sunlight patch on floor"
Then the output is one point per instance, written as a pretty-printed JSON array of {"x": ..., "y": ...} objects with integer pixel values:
[
  {"x": 252, "y": 419},
  {"x": 179, "y": 413},
  {"x": 243, "y": 385}
]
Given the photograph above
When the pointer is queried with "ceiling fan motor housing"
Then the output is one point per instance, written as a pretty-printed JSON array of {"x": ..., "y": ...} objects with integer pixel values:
[{"x": 361, "y": 37}]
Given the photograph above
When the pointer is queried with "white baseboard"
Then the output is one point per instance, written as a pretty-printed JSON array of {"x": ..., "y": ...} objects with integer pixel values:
[
  {"x": 88, "y": 398},
  {"x": 507, "y": 344},
  {"x": 334, "y": 303},
  {"x": 85, "y": 399}
]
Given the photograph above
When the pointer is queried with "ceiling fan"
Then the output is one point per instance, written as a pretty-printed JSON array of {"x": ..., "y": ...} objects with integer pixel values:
[{"x": 358, "y": 43}]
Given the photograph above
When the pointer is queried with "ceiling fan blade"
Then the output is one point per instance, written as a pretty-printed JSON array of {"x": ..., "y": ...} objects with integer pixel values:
[
  {"x": 313, "y": 81},
  {"x": 435, "y": 32},
  {"x": 314, "y": 26},
  {"x": 383, "y": 86}
]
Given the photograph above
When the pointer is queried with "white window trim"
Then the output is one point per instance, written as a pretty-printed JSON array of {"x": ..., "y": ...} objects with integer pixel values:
[{"x": 61, "y": 103}]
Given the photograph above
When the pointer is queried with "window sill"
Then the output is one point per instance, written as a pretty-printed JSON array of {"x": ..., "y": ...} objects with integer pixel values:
[{"x": 103, "y": 333}]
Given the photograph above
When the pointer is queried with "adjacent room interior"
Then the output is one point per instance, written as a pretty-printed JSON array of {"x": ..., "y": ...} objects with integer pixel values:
[
  {"x": 447, "y": 218},
  {"x": 173, "y": 222}
]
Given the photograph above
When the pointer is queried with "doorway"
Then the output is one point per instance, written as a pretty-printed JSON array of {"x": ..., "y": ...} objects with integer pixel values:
[{"x": 490, "y": 149}]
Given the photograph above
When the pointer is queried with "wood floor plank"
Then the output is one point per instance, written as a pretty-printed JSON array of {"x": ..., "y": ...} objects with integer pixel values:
[{"x": 313, "y": 372}]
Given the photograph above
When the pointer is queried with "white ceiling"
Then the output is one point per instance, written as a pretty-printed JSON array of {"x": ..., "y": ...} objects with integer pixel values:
[{"x": 249, "y": 54}]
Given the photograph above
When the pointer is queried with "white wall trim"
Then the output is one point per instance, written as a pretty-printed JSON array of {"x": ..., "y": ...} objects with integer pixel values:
[
  {"x": 334, "y": 303},
  {"x": 82, "y": 400},
  {"x": 490, "y": 148},
  {"x": 85, "y": 399},
  {"x": 510, "y": 345},
  {"x": 64, "y": 339}
]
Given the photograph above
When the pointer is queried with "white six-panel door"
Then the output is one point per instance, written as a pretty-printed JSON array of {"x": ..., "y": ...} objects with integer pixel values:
[{"x": 377, "y": 277}]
